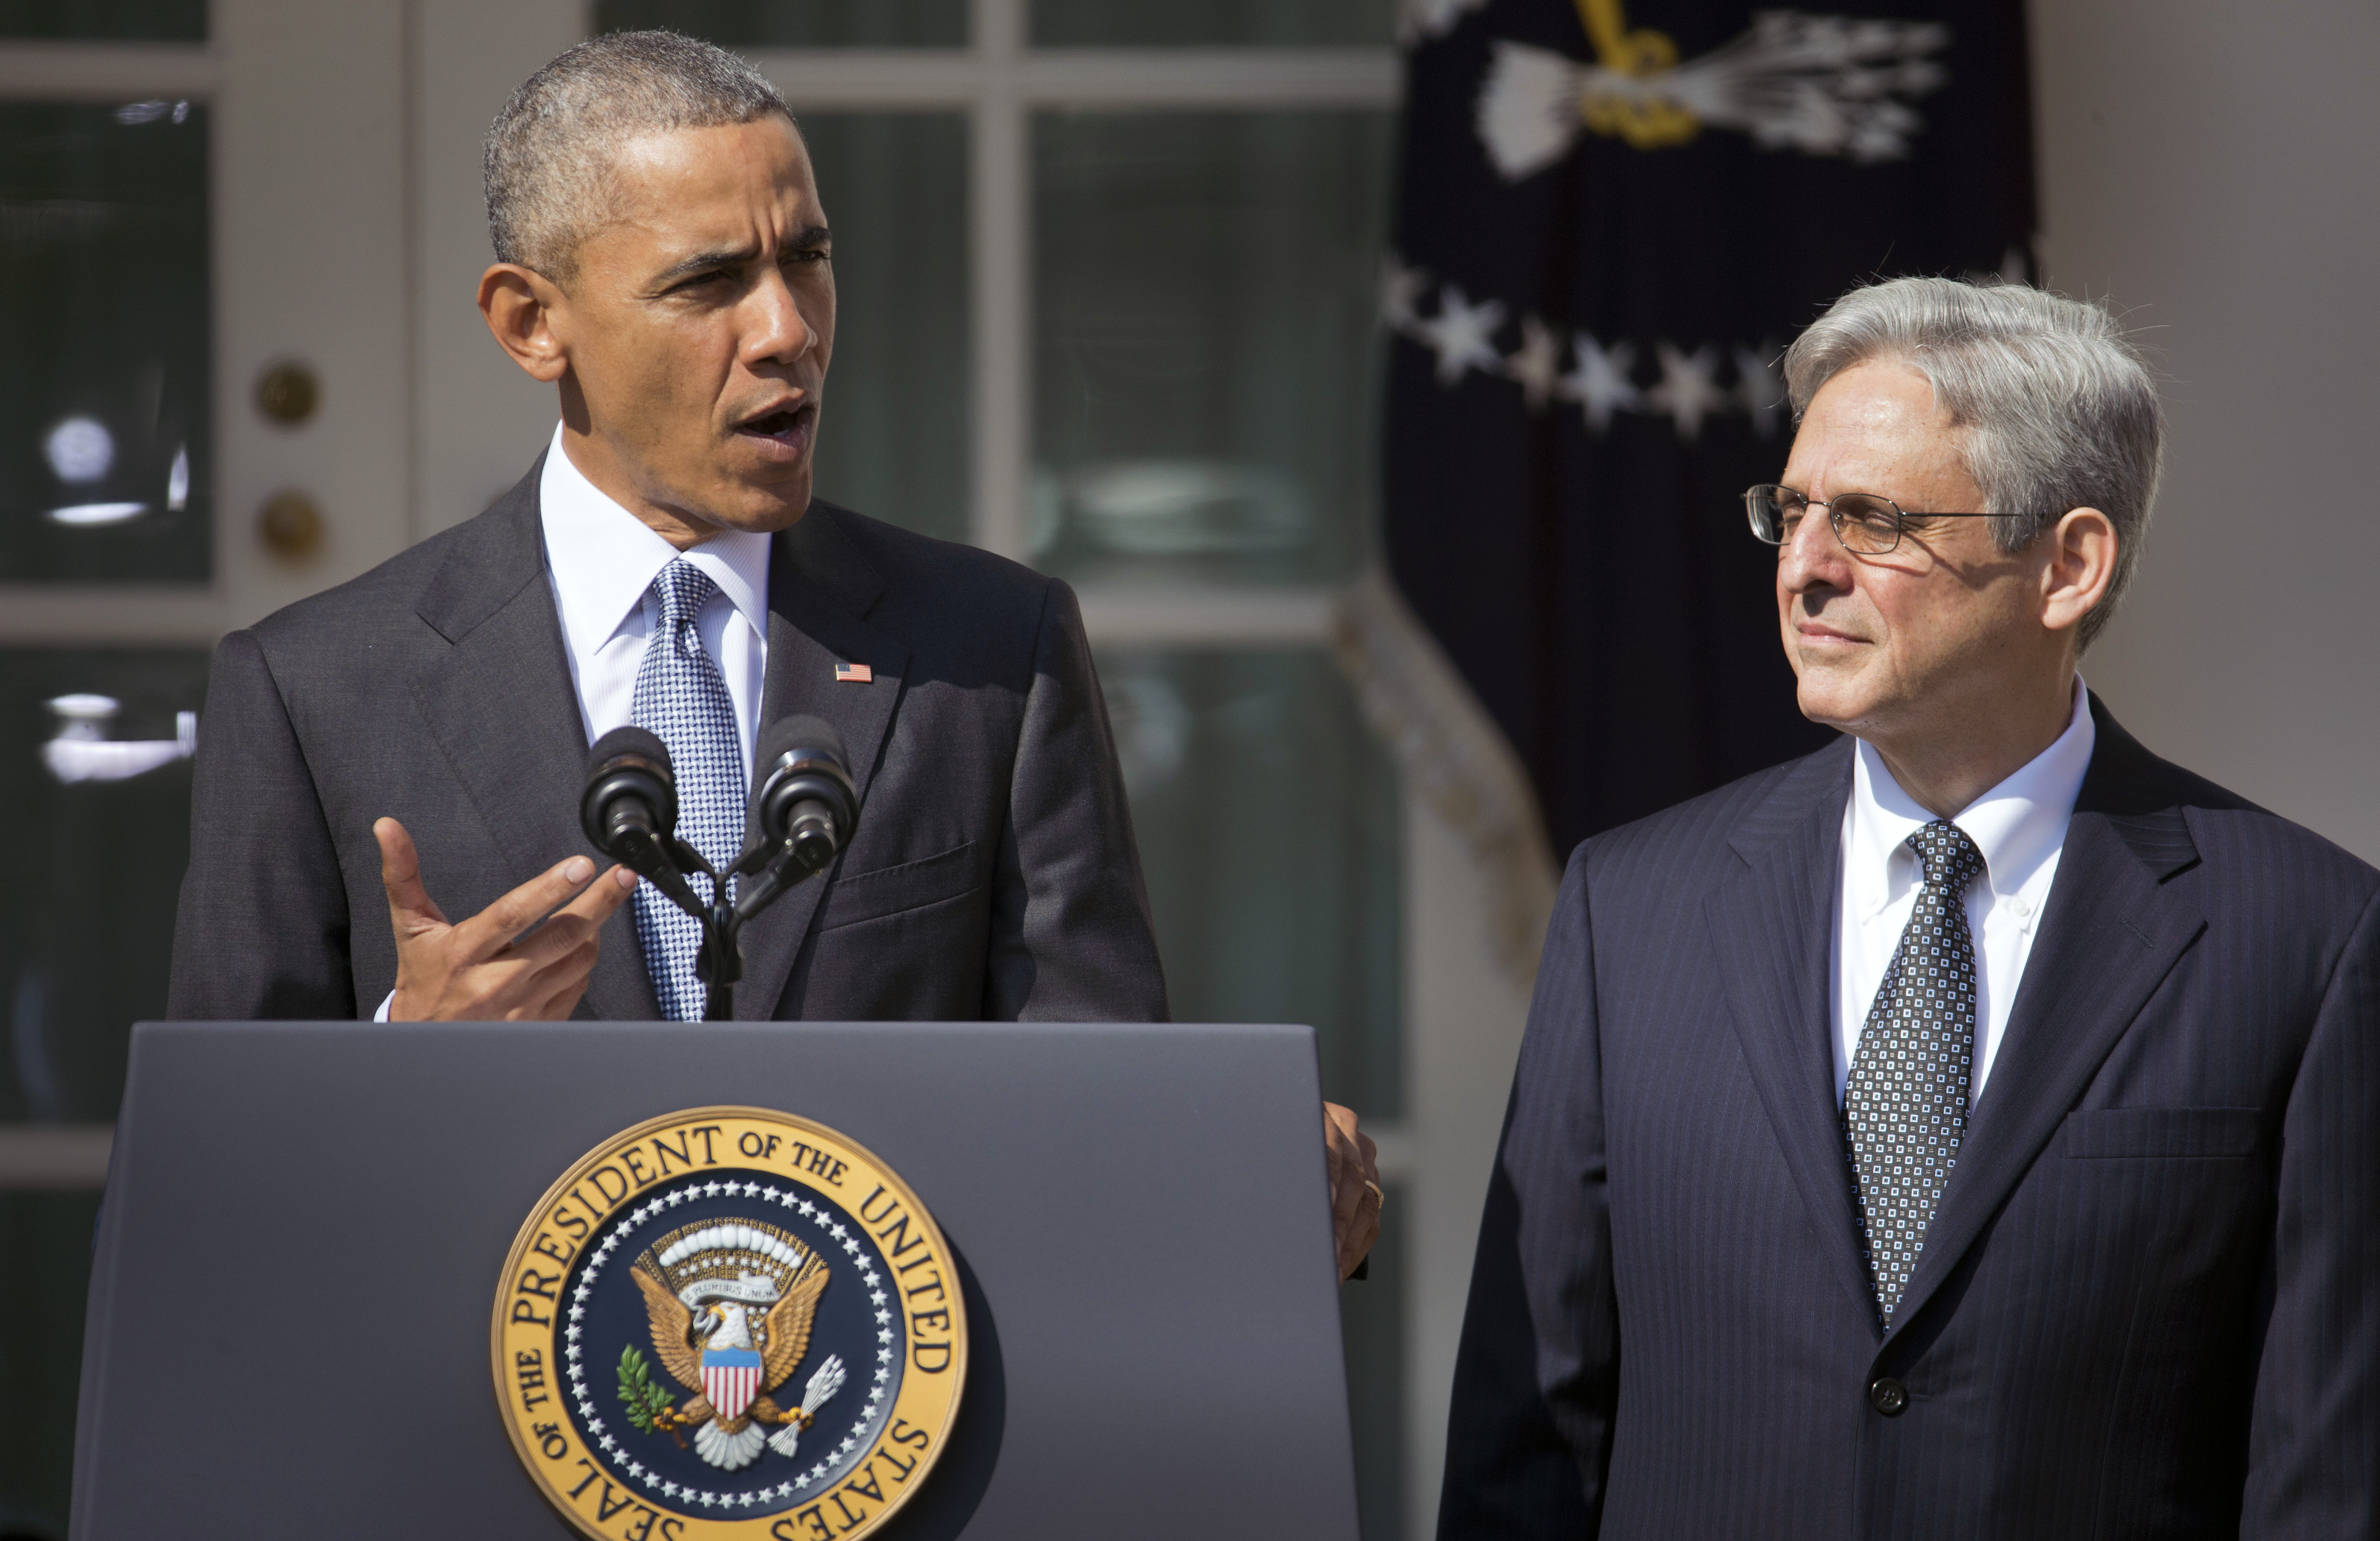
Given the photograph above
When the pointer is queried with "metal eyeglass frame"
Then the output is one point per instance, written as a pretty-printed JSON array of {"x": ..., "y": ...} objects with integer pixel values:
[{"x": 1900, "y": 516}]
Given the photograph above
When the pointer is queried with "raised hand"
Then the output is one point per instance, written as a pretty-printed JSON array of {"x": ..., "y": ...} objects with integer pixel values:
[{"x": 501, "y": 964}]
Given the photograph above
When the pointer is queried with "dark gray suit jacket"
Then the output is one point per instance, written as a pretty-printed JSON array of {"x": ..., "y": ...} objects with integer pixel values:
[
  {"x": 992, "y": 874},
  {"x": 2149, "y": 1304}
]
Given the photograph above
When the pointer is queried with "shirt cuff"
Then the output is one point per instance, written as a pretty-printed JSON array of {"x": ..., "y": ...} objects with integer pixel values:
[{"x": 382, "y": 1014}]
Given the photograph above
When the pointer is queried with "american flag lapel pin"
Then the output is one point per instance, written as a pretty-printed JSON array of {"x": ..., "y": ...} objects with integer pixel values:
[{"x": 854, "y": 673}]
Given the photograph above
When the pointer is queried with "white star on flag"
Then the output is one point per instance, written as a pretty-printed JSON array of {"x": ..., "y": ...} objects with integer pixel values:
[
  {"x": 1417, "y": 19},
  {"x": 1537, "y": 365},
  {"x": 1598, "y": 380},
  {"x": 1462, "y": 334},
  {"x": 1687, "y": 392}
]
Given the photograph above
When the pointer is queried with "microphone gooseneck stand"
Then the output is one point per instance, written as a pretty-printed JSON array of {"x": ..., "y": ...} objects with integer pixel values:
[{"x": 795, "y": 827}]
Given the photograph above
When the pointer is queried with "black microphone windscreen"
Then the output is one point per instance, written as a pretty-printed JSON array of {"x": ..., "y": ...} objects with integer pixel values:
[
  {"x": 786, "y": 735},
  {"x": 630, "y": 741}
]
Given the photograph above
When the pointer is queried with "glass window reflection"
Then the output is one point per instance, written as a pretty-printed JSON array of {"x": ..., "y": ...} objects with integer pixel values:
[
  {"x": 1205, "y": 342},
  {"x": 105, "y": 20},
  {"x": 46, "y": 1238},
  {"x": 104, "y": 320},
  {"x": 1212, "y": 23},
  {"x": 92, "y": 761},
  {"x": 797, "y": 24},
  {"x": 1268, "y": 824},
  {"x": 893, "y": 430}
]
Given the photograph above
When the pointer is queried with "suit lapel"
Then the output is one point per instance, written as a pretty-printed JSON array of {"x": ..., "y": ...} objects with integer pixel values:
[
  {"x": 2111, "y": 933},
  {"x": 819, "y": 588},
  {"x": 499, "y": 707},
  {"x": 1772, "y": 931}
]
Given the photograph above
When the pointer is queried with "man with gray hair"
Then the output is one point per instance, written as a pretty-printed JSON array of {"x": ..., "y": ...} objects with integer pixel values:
[
  {"x": 1972, "y": 1129},
  {"x": 664, "y": 261}
]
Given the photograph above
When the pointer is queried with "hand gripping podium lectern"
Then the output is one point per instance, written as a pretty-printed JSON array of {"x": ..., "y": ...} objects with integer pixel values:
[{"x": 317, "y": 1238}]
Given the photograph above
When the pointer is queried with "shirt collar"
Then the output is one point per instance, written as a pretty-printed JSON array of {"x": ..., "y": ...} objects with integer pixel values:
[
  {"x": 2018, "y": 825},
  {"x": 604, "y": 558}
]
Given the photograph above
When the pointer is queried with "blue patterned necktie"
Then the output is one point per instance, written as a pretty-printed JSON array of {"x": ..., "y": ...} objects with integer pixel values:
[
  {"x": 682, "y": 696},
  {"x": 1905, "y": 1110}
]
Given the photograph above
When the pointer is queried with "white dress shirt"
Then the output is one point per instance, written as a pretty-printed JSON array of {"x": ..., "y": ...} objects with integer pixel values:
[
  {"x": 601, "y": 561},
  {"x": 2019, "y": 827}
]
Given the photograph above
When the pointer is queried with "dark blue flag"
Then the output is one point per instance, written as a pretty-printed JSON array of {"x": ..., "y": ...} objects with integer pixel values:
[{"x": 1610, "y": 224}]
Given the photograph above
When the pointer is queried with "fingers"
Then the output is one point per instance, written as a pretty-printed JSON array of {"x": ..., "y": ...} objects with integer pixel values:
[
  {"x": 575, "y": 923},
  {"x": 1345, "y": 1160},
  {"x": 549, "y": 968},
  {"x": 493, "y": 929},
  {"x": 410, "y": 908},
  {"x": 1355, "y": 1194},
  {"x": 596, "y": 905}
]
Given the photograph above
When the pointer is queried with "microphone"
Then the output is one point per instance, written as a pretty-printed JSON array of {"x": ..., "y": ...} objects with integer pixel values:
[
  {"x": 801, "y": 815},
  {"x": 629, "y": 808}
]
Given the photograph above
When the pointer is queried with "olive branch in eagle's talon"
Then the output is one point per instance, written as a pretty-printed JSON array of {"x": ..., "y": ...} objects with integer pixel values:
[{"x": 650, "y": 1409}]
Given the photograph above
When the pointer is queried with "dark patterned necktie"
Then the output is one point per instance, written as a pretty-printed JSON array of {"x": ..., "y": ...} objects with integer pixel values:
[
  {"x": 1905, "y": 1111},
  {"x": 682, "y": 696}
]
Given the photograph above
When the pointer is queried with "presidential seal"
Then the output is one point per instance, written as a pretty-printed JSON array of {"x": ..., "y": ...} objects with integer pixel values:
[{"x": 729, "y": 1322}]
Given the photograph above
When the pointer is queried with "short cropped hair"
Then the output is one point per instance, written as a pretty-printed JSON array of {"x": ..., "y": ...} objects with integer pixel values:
[
  {"x": 2058, "y": 409},
  {"x": 548, "y": 157}
]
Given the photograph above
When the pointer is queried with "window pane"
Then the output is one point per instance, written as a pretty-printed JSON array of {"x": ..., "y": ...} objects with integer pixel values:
[
  {"x": 46, "y": 1238},
  {"x": 103, "y": 407},
  {"x": 1267, "y": 819},
  {"x": 95, "y": 869},
  {"x": 1273, "y": 22},
  {"x": 797, "y": 23},
  {"x": 893, "y": 431},
  {"x": 1203, "y": 344},
  {"x": 145, "y": 20}
]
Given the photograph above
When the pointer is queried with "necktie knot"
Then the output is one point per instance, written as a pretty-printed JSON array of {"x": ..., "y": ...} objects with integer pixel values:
[
  {"x": 1950, "y": 859},
  {"x": 682, "y": 590}
]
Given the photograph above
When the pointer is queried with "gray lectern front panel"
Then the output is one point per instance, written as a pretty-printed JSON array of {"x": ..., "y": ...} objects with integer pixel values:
[{"x": 305, "y": 1223}]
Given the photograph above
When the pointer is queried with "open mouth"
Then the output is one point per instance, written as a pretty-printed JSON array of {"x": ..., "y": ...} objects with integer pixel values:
[{"x": 787, "y": 427}]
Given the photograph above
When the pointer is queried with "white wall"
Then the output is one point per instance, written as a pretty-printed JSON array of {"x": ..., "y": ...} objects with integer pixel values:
[{"x": 2207, "y": 167}]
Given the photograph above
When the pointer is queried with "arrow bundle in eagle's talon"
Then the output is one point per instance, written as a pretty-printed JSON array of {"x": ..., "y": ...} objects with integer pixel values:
[{"x": 825, "y": 1383}]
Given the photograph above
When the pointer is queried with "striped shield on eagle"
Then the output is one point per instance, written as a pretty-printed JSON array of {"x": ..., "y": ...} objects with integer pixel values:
[{"x": 731, "y": 1378}]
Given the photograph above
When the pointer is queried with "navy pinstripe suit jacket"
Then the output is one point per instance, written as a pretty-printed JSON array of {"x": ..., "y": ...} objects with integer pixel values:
[{"x": 2149, "y": 1304}]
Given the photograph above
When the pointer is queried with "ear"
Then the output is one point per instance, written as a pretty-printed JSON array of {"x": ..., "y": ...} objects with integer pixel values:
[
  {"x": 2081, "y": 566},
  {"x": 521, "y": 307}
]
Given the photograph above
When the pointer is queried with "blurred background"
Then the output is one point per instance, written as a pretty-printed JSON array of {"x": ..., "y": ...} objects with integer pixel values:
[{"x": 1135, "y": 292}]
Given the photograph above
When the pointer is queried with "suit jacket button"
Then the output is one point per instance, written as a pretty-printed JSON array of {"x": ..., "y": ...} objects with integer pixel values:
[{"x": 1887, "y": 1396}]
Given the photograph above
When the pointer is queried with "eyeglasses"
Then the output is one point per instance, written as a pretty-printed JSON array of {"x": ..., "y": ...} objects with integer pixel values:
[{"x": 1865, "y": 524}]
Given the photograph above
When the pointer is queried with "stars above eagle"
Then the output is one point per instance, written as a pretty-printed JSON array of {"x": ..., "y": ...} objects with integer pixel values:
[
  {"x": 1462, "y": 334},
  {"x": 1598, "y": 378}
]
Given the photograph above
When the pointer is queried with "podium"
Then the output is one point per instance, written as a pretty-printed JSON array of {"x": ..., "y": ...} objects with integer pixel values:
[{"x": 306, "y": 1226}]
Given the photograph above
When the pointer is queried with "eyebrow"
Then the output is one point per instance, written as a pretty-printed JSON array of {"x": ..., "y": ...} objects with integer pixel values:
[{"x": 803, "y": 240}]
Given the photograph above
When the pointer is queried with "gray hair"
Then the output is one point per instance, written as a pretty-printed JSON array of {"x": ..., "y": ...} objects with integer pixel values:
[
  {"x": 548, "y": 157},
  {"x": 2058, "y": 407}
]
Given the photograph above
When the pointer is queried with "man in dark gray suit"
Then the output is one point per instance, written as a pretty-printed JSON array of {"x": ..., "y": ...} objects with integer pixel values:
[
  {"x": 664, "y": 261},
  {"x": 1971, "y": 1130}
]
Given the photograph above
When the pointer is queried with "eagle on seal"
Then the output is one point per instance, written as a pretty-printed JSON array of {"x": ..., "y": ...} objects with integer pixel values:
[{"x": 731, "y": 1341}]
